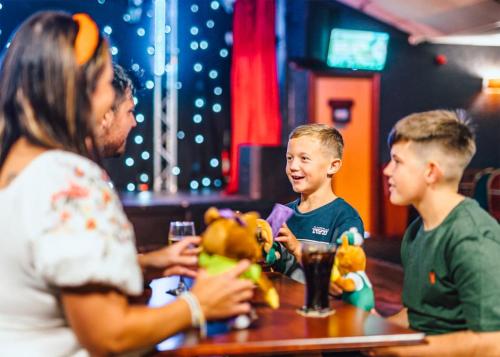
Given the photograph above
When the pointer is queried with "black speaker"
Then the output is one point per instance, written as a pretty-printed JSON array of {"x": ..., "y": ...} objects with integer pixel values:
[{"x": 262, "y": 173}]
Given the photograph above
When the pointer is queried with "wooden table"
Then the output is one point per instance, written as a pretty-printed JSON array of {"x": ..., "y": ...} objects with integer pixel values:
[{"x": 284, "y": 331}]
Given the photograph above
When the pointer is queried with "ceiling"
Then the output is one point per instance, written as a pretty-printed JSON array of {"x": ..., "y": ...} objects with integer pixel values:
[{"x": 468, "y": 22}]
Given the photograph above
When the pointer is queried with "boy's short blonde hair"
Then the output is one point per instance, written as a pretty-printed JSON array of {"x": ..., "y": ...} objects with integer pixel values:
[
  {"x": 329, "y": 137},
  {"x": 444, "y": 130}
]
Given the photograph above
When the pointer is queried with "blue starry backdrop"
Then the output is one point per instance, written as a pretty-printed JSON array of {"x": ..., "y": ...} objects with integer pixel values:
[{"x": 204, "y": 42}]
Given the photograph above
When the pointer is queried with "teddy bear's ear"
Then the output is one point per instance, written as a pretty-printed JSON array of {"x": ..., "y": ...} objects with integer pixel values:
[{"x": 211, "y": 215}]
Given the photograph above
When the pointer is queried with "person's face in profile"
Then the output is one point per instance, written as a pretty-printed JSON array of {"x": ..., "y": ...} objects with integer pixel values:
[{"x": 116, "y": 126}]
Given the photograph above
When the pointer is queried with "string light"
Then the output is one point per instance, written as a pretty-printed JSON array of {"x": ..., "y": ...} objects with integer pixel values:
[
  {"x": 203, "y": 45},
  {"x": 214, "y": 5},
  {"x": 198, "y": 139},
  {"x": 181, "y": 135},
  {"x": 129, "y": 162},
  {"x": 141, "y": 32},
  {"x": 213, "y": 74},
  {"x": 216, "y": 108},
  {"x": 223, "y": 53},
  {"x": 206, "y": 181},
  {"x": 194, "y": 184},
  {"x": 144, "y": 177},
  {"x": 210, "y": 24},
  {"x": 135, "y": 67},
  {"x": 145, "y": 155},
  {"x": 194, "y": 8},
  {"x": 197, "y": 67},
  {"x": 197, "y": 118},
  {"x": 149, "y": 84},
  {"x": 101, "y": 2},
  {"x": 114, "y": 50},
  {"x": 214, "y": 162},
  {"x": 217, "y": 183},
  {"x": 194, "y": 45},
  {"x": 176, "y": 170},
  {"x": 150, "y": 50},
  {"x": 139, "y": 118},
  {"x": 108, "y": 30},
  {"x": 217, "y": 90},
  {"x": 194, "y": 30},
  {"x": 199, "y": 102},
  {"x": 130, "y": 187},
  {"x": 138, "y": 139}
]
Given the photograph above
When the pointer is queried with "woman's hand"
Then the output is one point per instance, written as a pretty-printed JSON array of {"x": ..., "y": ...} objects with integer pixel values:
[
  {"x": 224, "y": 295},
  {"x": 286, "y": 237},
  {"x": 180, "y": 258}
]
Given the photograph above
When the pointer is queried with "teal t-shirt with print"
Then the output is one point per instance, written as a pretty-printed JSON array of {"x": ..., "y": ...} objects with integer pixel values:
[
  {"x": 452, "y": 272},
  {"x": 324, "y": 224}
]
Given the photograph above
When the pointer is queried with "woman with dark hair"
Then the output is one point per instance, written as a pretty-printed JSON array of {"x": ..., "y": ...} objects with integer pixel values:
[{"x": 67, "y": 254}]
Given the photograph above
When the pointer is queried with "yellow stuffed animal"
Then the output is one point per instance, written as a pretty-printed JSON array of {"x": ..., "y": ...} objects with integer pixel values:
[
  {"x": 231, "y": 236},
  {"x": 349, "y": 274}
]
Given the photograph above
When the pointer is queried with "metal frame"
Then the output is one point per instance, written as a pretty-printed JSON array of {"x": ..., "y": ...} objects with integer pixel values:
[{"x": 165, "y": 97}]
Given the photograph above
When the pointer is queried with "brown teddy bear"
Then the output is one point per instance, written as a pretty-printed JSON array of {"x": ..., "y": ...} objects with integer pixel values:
[{"x": 229, "y": 237}]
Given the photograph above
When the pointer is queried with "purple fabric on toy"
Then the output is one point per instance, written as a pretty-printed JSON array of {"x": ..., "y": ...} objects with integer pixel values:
[
  {"x": 278, "y": 216},
  {"x": 230, "y": 214}
]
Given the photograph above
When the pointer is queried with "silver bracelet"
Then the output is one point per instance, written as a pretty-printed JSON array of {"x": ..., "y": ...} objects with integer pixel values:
[{"x": 197, "y": 316}]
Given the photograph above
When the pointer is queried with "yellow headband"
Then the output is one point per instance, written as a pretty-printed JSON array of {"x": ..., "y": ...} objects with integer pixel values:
[{"x": 87, "y": 38}]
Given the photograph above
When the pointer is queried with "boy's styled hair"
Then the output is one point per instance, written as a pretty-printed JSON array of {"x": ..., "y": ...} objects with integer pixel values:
[
  {"x": 329, "y": 137},
  {"x": 445, "y": 130},
  {"x": 121, "y": 83}
]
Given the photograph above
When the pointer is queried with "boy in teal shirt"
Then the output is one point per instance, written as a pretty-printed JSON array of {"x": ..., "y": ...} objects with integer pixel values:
[
  {"x": 314, "y": 155},
  {"x": 450, "y": 255}
]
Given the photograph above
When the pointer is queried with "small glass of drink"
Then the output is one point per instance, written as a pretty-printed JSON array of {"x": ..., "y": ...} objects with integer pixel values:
[
  {"x": 317, "y": 261},
  {"x": 178, "y": 231}
]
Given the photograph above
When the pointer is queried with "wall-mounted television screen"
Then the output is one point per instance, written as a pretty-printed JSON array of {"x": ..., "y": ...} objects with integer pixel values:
[{"x": 357, "y": 49}]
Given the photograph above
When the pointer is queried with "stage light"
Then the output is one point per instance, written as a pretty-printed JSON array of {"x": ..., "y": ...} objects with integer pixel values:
[
  {"x": 210, "y": 24},
  {"x": 194, "y": 45},
  {"x": 197, "y": 67},
  {"x": 217, "y": 90},
  {"x": 181, "y": 135},
  {"x": 199, "y": 102},
  {"x": 213, "y": 74},
  {"x": 197, "y": 118},
  {"x": 176, "y": 170},
  {"x": 108, "y": 30},
  {"x": 203, "y": 45},
  {"x": 194, "y": 30},
  {"x": 145, "y": 155},
  {"x": 216, "y": 108},
  {"x": 199, "y": 139},
  {"x": 206, "y": 181},
  {"x": 194, "y": 8},
  {"x": 214, "y": 5},
  {"x": 150, "y": 50},
  {"x": 139, "y": 118},
  {"x": 114, "y": 50},
  {"x": 144, "y": 177},
  {"x": 214, "y": 162},
  {"x": 150, "y": 84},
  {"x": 223, "y": 53},
  {"x": 138, "y": 139},
  {"x": 217, "y": 183},
  {"x": 141, "y": 32},
  {"x": 194, "y": 184},
  {"x": 130, "y": 187}
]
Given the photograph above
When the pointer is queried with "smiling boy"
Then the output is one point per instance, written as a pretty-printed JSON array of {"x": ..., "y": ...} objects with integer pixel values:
[
  {"x": 450, "y": 255},
  {"x": 314, "y": 155}
]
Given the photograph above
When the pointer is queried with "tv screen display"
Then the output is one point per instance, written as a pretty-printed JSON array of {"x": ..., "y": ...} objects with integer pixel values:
[{"x": 357, "y": 49}]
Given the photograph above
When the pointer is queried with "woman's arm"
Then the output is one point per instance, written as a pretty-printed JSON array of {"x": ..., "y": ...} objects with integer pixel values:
[{"x": 105, "y": 323}]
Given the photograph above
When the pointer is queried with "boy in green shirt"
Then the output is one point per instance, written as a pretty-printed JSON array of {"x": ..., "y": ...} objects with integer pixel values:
[{"x": 451, "y": 254}]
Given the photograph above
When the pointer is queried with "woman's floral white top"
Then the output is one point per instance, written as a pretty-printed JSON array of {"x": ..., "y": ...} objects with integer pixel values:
[{"x": 61, "y": 225}]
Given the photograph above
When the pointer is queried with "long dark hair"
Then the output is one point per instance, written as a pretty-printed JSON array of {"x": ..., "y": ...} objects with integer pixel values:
[{"x": 44, "y": 95}]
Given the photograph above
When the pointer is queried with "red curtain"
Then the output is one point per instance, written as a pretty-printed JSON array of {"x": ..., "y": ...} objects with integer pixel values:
[{"x": 255, "y": 116}]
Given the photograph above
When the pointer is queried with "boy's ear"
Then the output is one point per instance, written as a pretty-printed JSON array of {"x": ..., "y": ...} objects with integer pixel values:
[
  {"x": 335, "y": 166},
  {"x": 433, "y": 172}
]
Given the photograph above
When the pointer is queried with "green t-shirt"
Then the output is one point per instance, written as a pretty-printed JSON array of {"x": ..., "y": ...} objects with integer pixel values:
[{"x": 452, "y": 272}]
